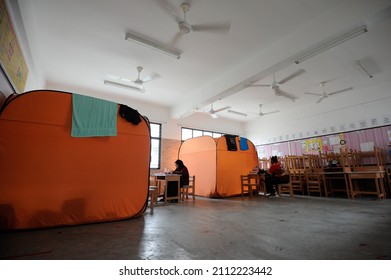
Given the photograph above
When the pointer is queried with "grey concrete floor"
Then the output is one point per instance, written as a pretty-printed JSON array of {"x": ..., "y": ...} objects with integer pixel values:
[{"x": 281, "y": 228}]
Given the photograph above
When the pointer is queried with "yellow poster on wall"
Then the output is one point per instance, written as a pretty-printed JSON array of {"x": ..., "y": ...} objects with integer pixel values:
[
  {"x": 11, "y": 56},
  {"x": 313, "y": 145}
]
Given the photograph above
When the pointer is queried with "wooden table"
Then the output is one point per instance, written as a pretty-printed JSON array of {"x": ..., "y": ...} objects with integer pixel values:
[
  {"x": 367, "y": 173},
  {"x": 169, "y": 178},
  {"x": 331, "y": 175}
]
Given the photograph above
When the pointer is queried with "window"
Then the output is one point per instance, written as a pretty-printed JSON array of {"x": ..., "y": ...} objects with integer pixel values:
[
  {"x": 156, "y": 137},
  {"x": 188, "y": 133}
]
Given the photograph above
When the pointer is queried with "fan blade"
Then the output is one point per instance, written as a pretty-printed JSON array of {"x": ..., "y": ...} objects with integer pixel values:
[
  {"x": 218, "y": 27},
  {"x": 165, "y": 5},
  {"x": 272, "y": 112},
  {"x": 285, "y": 94},
  {"x": 317, "y": 94},
  {"x": 221, "y": 109},
  {"x": 176, "y": 39},
  {"x": 154, "y": 76},
  {"x": 339, "y": 91},
  {"x": 260, "y": 85},
  {"x": 297, "y": 73},
  {"x": 237, "y": 113},
  {"x": 124, "y": 86},
  {"x": 320, "y": 99}
]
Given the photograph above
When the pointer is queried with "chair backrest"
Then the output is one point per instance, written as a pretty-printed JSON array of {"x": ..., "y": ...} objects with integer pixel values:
[
  {"x": 264, "y": 163},
  {"x": 191, "y": 181},
  {"x": 315, "y": 163},
  {"x": 357, "y": 159},
  {"x": 295, "y": 164}
]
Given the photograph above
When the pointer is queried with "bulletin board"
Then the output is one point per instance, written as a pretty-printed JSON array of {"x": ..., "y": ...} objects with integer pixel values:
[{"x": 12, "y": 61}]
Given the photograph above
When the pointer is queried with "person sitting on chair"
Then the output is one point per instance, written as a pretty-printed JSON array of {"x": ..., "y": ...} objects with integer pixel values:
[
  {"x": 182, "y": 170},
  {"x": 272, "y": 176}
]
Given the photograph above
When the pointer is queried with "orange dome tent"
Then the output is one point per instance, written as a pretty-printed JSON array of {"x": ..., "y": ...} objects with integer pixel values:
[
  {"x": 49, "y": 178},
  {"x": 218, "y": 169}
]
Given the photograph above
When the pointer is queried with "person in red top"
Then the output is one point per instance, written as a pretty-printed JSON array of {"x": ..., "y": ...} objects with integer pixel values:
[
  {"x": 275, "y": 167},
  {"x": 273, "y": 176}
]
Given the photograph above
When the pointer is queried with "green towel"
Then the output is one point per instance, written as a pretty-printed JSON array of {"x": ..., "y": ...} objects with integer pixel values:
[{"x": 93, "y": 117}]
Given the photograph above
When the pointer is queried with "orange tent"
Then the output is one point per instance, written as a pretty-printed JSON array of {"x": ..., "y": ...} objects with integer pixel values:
[
  {"x": 49, "y": 178},
  {"x": 216, "y": 168}
]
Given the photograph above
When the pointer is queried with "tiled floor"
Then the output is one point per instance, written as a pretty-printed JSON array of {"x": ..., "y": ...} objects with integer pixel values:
[{"x": 236, "y": 228}]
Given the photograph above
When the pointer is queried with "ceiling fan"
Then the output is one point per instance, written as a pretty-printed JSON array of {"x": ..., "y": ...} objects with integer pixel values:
[
  {"x": 325, "y": 94},
  {"x": 140, "y": 82},
  {"x": 275, "y": 85},
  {"x": 213, "y": 112},
  {"x": 262, "y": 113},
  {"x": 137, "y": 84},
  {"x": 184, "y": 27}
]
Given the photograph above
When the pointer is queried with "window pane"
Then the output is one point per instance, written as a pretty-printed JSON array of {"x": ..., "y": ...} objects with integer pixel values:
[
  {"x": 208, "y": 133},
  {"x": 187, "y": 134},
  {"x": 155, "y": 152},
  {"x": 197, "y": 133},
  {"x": 155, "y": 130},
  {"x": 216, "y": 135}
]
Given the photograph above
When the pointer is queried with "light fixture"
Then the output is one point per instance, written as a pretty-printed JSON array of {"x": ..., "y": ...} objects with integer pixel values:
[
  {"x": 362, "y": 68},
  {"x": 332, "y": 42},
  {"x": 114, "y": 84},
  {"x": 153, "y": 45}
]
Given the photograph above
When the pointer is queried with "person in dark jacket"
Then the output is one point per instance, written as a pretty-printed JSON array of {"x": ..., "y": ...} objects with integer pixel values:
[{"x": 182, "y": 170}]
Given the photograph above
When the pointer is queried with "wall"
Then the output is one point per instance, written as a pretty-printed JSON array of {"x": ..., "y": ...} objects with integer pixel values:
[
  {"x": 361, "y": 140},
  {"x": 168, "y": 155},
  {"x": 347, "y": 112}
]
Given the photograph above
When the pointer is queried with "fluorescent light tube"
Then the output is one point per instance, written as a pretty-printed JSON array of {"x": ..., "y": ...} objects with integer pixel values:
[
  {"x": 114, "y": 84},
  {"x": 153, "y": 45},
  {"x": 331, "y": 43},
  {"x": 362, "y": 68}
]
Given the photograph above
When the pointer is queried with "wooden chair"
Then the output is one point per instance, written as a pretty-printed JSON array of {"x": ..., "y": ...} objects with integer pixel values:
[
  {"x": 264, "y": 163},
  {"x": 296, "y": 167},
  {"x": 360, "y": 175},
  {"x": 152, "y": 197},
  {"x": 250, "y": 184},
  {"x": 189, "y": 189},
  {"x": 314, "y": 176},
  {"x": 285, "y": 188},
  {"x": 160, "y": 184}
]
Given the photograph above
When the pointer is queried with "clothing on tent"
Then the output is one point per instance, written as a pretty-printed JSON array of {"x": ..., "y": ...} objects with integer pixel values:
[
  {"x": 243, "y": 144},
  {"x": 93, "y": 117},
  {"x": 129, "y": 114},
  {"x": 231, "y": 142}
]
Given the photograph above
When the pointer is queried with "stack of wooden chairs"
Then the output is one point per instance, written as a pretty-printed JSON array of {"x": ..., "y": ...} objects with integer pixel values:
[{"x": 366, "y": 172}]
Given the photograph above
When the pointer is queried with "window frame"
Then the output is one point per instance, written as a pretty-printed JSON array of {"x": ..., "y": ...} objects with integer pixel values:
[
  {"x": 159, "y": 139},
  {"x": 215, "y": 134}
]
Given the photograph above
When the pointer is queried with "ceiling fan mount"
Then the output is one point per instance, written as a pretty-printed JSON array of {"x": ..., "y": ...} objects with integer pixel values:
[
  {"x": 137, "y": 84},
  {"x": 260, "y": 113},
  {"x": 212, "y": 112},
  {"x": 325, "y": 94},
  {"x": 138, "y": 80},
  {"x": 275, "y": 85},
  {"x": 184, "y": 27}
]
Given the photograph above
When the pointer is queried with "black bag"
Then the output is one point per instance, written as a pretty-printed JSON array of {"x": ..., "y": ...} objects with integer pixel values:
[
  {"x": 131, "y": 115},
  {"x": 231, "y": 142}
]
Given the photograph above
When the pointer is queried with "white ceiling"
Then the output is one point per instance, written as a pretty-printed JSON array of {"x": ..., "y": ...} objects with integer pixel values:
[{"x": 77, "y": 44}]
